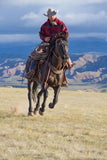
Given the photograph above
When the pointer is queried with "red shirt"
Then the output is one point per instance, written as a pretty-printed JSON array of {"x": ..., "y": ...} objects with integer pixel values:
[{"x": 50, "y": 30}]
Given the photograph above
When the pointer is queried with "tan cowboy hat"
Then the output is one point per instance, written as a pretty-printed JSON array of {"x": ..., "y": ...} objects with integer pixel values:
[{"x": 50, "y": 13}]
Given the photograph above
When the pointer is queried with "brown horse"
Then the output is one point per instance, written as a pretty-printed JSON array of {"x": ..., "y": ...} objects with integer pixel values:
[{"x": 51, "y": 74}]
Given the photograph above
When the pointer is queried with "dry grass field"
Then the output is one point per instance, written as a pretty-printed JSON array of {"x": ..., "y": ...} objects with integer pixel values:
[{"x": 76, "y": 129}]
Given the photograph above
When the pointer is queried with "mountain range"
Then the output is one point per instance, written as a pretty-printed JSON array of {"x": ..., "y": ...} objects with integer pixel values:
[{"x": 90, "y": 72}]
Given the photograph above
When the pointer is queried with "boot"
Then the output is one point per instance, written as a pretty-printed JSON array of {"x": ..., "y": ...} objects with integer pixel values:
[{"x": 32, "y": 72}]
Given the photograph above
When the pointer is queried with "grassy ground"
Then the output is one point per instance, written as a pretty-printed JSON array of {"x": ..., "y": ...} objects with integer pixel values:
[{"x": 76, "y": 129}]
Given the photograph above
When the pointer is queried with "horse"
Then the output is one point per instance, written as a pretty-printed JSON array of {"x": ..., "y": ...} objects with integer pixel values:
[{"x": 51, "y": 74}]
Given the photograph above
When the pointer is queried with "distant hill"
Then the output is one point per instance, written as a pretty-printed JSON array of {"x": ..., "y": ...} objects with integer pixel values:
[{"x": 90, "y": 70}]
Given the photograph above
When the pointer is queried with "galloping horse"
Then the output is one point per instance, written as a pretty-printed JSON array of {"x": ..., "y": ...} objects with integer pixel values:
[{"x": 51, "y": 74}]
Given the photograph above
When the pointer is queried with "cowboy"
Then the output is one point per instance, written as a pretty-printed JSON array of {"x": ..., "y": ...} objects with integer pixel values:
[
  {"x": 53, "y": 26},
  {"x": 50, "y": 29}
]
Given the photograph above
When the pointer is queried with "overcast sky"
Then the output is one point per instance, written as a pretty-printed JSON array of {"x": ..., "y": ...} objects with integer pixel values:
[{"x": 20, "y": 20}]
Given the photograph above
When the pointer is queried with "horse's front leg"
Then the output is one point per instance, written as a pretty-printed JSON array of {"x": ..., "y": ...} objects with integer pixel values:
[
  {"x": 55, "y": 100},
  {"x": 30, "y": 109}
]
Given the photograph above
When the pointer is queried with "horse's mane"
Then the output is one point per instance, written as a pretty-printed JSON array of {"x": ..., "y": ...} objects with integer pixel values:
[{"x": 58, "y": 36}]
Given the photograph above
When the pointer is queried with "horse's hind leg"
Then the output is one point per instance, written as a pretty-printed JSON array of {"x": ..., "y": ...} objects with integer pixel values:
[
  {"x": 34, "y": 91},
  {"x": 42, "y": 109},
  {"x": 55, "y": 100},
  {"x": 30, "y": 110},
  {"x": 38, "y": 101}
]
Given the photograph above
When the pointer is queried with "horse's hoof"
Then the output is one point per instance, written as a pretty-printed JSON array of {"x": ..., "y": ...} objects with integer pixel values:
[
  {"x": 51, "y": 105},
  {"x": 35, "y": 111},
  {"x": 30, "y": 114},
  {"x": 40, "y": 112}
]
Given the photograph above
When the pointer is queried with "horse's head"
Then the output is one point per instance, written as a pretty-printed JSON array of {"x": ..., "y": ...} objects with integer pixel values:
[{"x": 59, "y": 51}]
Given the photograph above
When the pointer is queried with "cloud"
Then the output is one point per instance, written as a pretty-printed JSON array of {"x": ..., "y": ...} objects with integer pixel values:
[
  {"x": 49, "y": 2},
  {"x": 31, "y": 19},
  {"x": 1, "y": 21},
  {"x": 85, "y": 18},
  {"x": 15, "y": 38},
  {"x": 96, "y": 1},
  {"x": 89, "y": 35},
  {"x": 31, "y": 15},
  {"x": 1, "y": 18},
  {"x": 28, "y": 2},
  {"x": 20, "y": 15},
  {"x": 12, "y": 38}
]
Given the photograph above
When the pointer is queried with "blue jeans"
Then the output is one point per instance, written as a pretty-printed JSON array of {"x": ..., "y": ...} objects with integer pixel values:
[{"x": 32, "y": 65}]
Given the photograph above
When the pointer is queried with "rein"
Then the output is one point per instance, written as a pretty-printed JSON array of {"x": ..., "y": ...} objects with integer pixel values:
[{"x": 56, "y": 55}]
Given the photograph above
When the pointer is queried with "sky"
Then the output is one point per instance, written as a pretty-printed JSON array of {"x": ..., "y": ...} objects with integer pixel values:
[{"x": 20, "y": 20}]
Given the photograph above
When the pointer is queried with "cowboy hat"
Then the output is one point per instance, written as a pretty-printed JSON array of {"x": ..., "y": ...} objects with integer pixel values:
[{"x": 50, "y": 13}]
